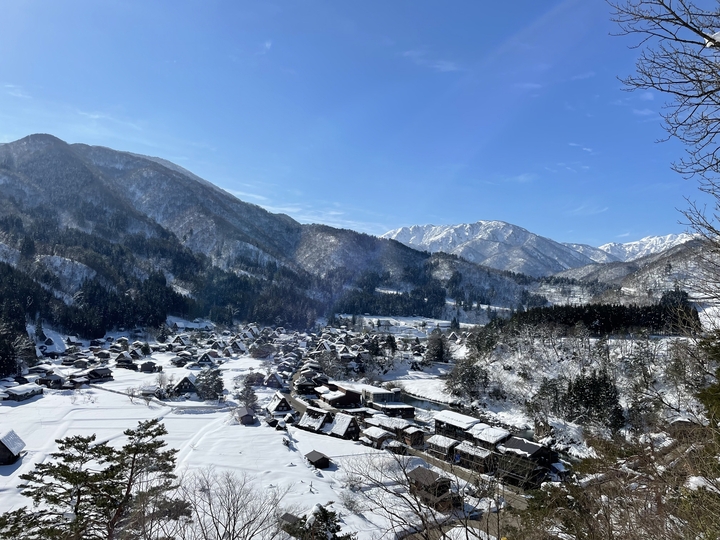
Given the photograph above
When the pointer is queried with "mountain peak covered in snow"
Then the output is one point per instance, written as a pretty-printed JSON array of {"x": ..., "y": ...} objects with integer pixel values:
[
  {"x": 505, "y": 246},
  {"x": 494, "y": 243},
  {"x": 649, "y": 245}
]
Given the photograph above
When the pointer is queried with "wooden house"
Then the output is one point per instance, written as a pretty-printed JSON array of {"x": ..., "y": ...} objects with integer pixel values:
[
  {"x": 523, "y": 463},
  {"x": 11, "y": 445},
  {"x": 51, "y": 380},
  {"x": 23, "y": 392},
  {"x": 150, "y": 367},
  {"x": 433, "y": 489},
  {"x": 278, "y": 406},
  {"x": 486, "y": 436},
  {"x": 413, "y": 436},
  {"x": 206, "y": 360},
  {"x": 287, "y": 520},
  {"x": 186, "y": 385},
  {"x": 340, "y": 398},
  {"x": 344, "y": 426},
  {"x": 314, "y": 419},
  {"x": 442, "y": 447},
  {"x": 99, "y": 374},
  {"x": 452, "y": 424},
  {"x": 376, "y": 437},
  {"x": 273, "y": 380},
  {"x": 473, "y": 457},
  {"x": 304, "y": 386},
  {"x": 182, "y": 339}
]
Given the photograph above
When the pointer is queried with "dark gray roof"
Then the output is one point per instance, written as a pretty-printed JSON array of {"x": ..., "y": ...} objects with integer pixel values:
[
  {"x": 522, "y": 447},
  {"x": 314, "y": 455},
  {"x": 423, "y": 476}
]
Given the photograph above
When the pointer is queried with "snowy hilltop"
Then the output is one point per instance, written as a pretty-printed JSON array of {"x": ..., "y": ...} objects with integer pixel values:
[
  {"x": 505, "y": 246},
  {"x": 646, "y": 246}
]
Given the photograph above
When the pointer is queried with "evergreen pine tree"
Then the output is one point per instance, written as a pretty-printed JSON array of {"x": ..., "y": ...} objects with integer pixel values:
[
  {"x": 320, "y": 524},
  {"x": 209, "y": 384},
  {"x": 92, "y": 490}
]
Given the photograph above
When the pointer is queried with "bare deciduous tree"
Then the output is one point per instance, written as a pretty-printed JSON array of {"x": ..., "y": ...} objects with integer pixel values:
[
  {"x": 680, "y": 58},
  {"x": 229, "y": 506}
]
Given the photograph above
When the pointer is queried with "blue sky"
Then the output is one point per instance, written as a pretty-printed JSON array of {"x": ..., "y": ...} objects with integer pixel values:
[{"x": 365, "y": 115}]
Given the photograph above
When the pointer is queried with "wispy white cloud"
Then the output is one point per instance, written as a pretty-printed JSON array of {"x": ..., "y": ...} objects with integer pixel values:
[
  {"x": 587, "y": 210},
  {"x": 583, "y": 76},
  {"x": 333, "y": 217},
  {"x": 623, "y": 235},
  {"x": 16, "y": 91},
  {"x": 265, "y": 47},
  {"x": 647, "y": 96},
  {"x": 421, "y": 58},
  {"x": 523, "y": 178},
  {"x": 528, "y": 86},
  {"x": 100, "y": 116},
  {"x": 643, "y": 112},
  {"x": 245, "y": 195}
]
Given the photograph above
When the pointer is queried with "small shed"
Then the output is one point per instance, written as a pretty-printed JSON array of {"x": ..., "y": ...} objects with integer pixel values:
[
  {"x": 10, "y": 447},
  {"x": 245, "y": 416},
  {"x": 318, "y": 459}
]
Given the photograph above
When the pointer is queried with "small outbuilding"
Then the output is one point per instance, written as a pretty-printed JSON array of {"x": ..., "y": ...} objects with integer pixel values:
[
  {"x": 318, "y": 459},
  {"x": 245, "y": 416},
  {"x": 11, "y": 445}
]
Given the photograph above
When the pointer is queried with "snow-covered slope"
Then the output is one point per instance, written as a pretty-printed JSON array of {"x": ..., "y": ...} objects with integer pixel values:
[
  {"x": 596, "y": 254},
  {"x": 494, "y": 243},
  {"x": 646, "y": 246}
]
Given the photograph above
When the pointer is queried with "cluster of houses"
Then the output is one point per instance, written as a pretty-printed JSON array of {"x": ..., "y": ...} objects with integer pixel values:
[
  {"x": 377, "y": 417},
  {"x": 470, "y": 443}
]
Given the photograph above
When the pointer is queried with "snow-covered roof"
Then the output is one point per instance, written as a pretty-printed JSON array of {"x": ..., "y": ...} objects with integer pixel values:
[
  {"x": 275, "y": 402},
  {"x": 12, "y": 442},
  {"x": 313, "y": 419},
  {"x": 23, "y": 389},
  {"x": 376, "y": 433},
  {"x": 441, "y": 441},
  {"x": 488, "y": 434},
  {"x": 340, "y": 425},
  {"x": 388, "y": 422},
  {"x": 473, "y": 450},
  {"x": 456, "y": 419},
  {"x": 520, "y": 447},
  {"x": 330, "y": 395}
]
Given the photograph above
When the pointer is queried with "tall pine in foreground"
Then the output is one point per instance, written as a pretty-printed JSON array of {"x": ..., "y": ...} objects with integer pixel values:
[{"x": 92, "y": 490}]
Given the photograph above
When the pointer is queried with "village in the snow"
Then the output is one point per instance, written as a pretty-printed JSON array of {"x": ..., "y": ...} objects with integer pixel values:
[{"x": 311, "y": 414}]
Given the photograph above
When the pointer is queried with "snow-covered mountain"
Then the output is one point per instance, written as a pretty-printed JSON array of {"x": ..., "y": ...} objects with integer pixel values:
[
  {"x": 646, "y": 246},
  {"x": 496, "y": 244},
  {"x": 504, "y": 246},
  {"x": 596, "y": 254}
]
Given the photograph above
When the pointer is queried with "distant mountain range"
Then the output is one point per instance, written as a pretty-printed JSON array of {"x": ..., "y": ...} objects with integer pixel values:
[
  {"x": 508, "y": 247},
  {"x": 77, "y": 219}
]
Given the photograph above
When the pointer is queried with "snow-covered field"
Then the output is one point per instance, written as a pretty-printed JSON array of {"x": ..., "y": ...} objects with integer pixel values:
[{"x": 204, "y": 434}]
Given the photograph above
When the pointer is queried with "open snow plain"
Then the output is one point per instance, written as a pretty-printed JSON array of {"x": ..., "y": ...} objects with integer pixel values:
[{"x": 205, "y": 435}]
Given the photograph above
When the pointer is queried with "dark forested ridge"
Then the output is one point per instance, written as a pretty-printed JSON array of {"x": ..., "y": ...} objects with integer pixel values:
[{"x": 96, "y": 239}]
